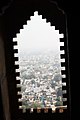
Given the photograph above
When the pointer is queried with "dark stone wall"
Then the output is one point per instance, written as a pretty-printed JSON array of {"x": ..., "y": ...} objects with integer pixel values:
[
  {"x": 3, "y": 83},
  {"x": 13, "y": 19}
]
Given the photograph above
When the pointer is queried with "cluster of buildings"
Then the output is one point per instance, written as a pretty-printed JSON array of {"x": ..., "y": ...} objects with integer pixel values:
[{"x": 41, "y": 83}]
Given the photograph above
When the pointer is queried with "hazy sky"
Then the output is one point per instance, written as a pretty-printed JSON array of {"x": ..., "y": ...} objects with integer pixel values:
[{"x": 38, "y": 34}]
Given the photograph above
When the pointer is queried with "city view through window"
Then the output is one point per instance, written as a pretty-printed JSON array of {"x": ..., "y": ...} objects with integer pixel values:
[{"x": 39, "y": 64}]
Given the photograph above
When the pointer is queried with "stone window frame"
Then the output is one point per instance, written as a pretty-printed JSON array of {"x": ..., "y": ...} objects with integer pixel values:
[{"x": 7, "y": 33}]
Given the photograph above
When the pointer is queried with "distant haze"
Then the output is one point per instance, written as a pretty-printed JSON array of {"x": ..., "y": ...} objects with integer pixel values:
[{"x": 38, "y": 36}]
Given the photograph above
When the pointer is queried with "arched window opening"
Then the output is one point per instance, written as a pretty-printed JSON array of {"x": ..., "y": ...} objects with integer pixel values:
[{"x": 38, "y": 45}]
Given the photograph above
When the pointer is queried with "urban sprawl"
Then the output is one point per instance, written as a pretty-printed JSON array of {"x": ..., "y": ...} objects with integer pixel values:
[{"x": 41, "y": 80}]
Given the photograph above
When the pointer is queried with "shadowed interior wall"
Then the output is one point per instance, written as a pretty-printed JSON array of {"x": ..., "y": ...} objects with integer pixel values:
[
  {"x": 3, "y": 82},
  {"x": 13, "y": 20}
]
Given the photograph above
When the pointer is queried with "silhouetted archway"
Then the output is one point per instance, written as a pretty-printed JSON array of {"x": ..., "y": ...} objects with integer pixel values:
[{"x": 13, "y": 20}]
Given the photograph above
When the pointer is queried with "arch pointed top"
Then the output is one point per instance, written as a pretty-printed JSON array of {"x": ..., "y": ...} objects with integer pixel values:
[{"x": 20, "y": 11}]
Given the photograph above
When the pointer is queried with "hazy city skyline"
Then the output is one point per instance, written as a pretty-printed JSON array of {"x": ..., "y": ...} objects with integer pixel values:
[{"x": 39, "y": 64}]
